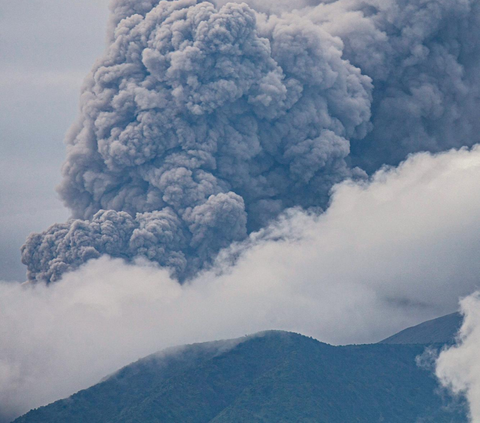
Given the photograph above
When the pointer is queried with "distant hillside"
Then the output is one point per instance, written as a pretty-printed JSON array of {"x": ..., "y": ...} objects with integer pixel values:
[
  {"x": 436, "y": 331},
  {"x": 275, "y": 377}
]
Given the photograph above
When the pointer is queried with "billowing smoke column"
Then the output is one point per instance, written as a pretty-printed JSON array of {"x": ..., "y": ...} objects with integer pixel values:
[
  {"x": 196, "y": 127},
  {"x": 424, "y": 60},
  {"x": 203, "y": 122}
]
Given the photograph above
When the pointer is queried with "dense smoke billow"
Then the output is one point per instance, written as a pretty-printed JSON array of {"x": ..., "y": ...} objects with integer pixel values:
[{"x": 203, "y": 122}]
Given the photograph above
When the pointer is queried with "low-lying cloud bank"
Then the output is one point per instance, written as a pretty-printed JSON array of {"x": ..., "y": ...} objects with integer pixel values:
[
  {"x": 387, "y": 254},
  {"x": 458, "y": 368}
]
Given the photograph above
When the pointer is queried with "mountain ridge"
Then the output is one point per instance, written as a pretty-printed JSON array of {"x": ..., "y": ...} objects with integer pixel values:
[{"x": 270, "y": 377}]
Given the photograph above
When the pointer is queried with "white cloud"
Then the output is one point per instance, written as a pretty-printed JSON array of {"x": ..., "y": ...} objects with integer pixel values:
[
  {"x": 458, "y": 368},
  {"x": 385, "y": 255}
]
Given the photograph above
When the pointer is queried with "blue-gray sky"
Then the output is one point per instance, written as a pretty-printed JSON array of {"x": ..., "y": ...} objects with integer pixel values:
[{"x": 47, "y": 47}]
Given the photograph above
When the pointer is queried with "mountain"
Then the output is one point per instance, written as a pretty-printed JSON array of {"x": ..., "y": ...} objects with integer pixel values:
[
  {"x": 436, "y": 331},
  {"x": 273, "y": 377}
]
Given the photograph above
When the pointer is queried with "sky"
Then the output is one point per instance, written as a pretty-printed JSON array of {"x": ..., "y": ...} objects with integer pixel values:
[
  {"x": 47, "y": 48},
  {"x": 252, "y": 200}
]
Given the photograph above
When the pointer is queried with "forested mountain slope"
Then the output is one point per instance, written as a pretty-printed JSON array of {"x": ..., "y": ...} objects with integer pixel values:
[{"x": 271, "y": 377}]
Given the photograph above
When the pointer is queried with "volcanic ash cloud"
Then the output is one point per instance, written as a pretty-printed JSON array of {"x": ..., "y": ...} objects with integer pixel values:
[
  {"x": 204, "y": 121},
  {"x": 197, "y": 126}
]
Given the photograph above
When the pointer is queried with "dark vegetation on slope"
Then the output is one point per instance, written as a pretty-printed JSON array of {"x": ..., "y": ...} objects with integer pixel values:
[{"x": 273, "y": 377}]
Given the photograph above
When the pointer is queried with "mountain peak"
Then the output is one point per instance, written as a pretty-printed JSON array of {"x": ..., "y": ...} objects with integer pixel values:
[{"x": 436, "y": 331}]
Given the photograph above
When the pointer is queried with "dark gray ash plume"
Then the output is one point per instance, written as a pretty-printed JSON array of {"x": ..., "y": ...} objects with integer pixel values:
[
  {"x": 424, "y": 60},
  {"x": 203, "y": 122}
]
